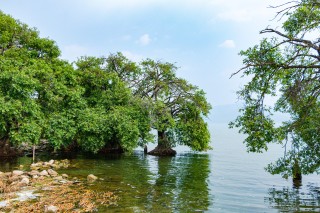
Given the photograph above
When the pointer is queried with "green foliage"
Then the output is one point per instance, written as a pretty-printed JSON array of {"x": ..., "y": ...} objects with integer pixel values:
[
  {"x": 285, "y": 67},
  {"x": 103, "y": 102},
  {"x": 115, "y": 116},
  {"x": 176, "y": 107}
]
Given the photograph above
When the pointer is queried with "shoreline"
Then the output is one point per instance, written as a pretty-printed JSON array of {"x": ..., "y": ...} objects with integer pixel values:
[{"x": 42, "y": 189}]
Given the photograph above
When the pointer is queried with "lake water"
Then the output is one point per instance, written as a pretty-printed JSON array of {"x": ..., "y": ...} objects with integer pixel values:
[{"x": 225, "y": 179}]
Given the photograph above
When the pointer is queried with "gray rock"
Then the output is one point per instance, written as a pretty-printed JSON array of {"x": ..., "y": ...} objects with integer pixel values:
[
  {"x": 58, "y": 178},
  {"x": 25, "y": 181},
  {"x": 52, "y": 172},
  {"x": 34, "y": 172},
  {"x": 51, "y": 208},
  {"x": 44, "y": 173},
  {"x": 17, "y": 172},
  {"x": 51, "y": 161},
  {"x": 91, "y": 178}
]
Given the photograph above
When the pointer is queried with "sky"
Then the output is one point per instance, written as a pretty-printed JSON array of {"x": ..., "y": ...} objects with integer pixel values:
[{"x": 202, "y": 37}]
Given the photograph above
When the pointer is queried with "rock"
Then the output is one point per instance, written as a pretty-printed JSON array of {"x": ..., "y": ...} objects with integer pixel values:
[
  {"x": 24, "y": 176},
  {"x": 91, "y": 178},
  {"x": 35, "y": 177},
  {"x": 55, "y": 166},
  {"x": 25, "y": 181},
  {"x": 52, "y": 172},
  {"x": 7, "y": 174},
  {"x": 35, "y": 168},
  {"x": 14, "y": 178},
  {"x": 34, "y": 172},
  {"x": 17, "y": 172},
  {"x": 44, "y": 173},
  {"x": 58, "y": 178},
  {"x": 36, "y": 164},
  {"x": 51, "y": 208},
  {"x": 51, "y": 161},
  {"x": 65, "y": 175}
]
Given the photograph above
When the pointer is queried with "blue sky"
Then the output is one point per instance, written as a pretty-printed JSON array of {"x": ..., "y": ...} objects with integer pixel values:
[{"x": 203, "y": 37}]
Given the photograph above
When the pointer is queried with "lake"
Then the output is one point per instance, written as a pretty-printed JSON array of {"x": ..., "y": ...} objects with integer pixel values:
[{"x": 225, "y": 179}]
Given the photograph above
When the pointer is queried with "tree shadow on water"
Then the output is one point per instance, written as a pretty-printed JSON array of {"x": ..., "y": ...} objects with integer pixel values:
[
  {"x": 181, "y": 184},
  {"x": 295, "y": 199}
]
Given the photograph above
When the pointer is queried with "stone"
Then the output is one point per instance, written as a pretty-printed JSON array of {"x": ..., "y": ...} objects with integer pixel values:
[
  {"x": 55, "y": 166},
  {"x": 7, "y": 174},
  {"x": 25, "y": 181},
  {"x": 35, "y": 177},
  {"x": 91, "y": 178},
  {"x": 58, "y": 178},
  {"x": 65, "y": 175},
  {"x": 51, "y": 208},
  {"x": 35, "y": 168},
  {"x": 44, "y": 173},
  {"x": 14, "y": 178},
  {"x": 51, "y": 161},
  {"x": 17, "y": 172},
  {"x": 34, "y": 172},
  {"x": 52, "y": 172}
]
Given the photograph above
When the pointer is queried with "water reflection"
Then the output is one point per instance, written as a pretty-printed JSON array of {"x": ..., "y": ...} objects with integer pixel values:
[
  {"x": 306, "y": 199},
  {"x": 8, "y": 164},
  {"x": 181, "y": 184},
  {"x": 151, "y": 184}
]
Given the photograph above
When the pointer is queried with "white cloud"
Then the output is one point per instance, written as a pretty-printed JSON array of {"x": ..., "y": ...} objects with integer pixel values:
[
  {"x": 228, "y": 44},
  {"x": 144, "y": 40}
]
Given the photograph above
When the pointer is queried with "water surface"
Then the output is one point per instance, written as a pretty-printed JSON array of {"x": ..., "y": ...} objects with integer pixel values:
[{"x": 225, "y": 179}]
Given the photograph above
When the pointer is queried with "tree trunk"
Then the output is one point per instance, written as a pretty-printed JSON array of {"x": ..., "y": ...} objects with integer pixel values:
[
  {"x": 164, "y": 147},
  {"x": 296, "y": 174},
  {"x": 114, "y": 148}
]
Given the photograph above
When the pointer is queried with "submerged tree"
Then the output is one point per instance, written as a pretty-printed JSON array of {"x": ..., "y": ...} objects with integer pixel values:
[
  {"x": 178, "y": 108},
  {"x": 286, "y": 67}
]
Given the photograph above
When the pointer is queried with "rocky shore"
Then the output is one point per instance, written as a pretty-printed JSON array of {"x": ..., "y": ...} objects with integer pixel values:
[{"x": 43, "y": 189}]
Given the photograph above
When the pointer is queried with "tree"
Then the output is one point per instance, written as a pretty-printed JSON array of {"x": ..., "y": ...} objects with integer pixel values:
[
  {"x": 40, "y": 94},
  {"x": 285, "y": 66},
  {"x": 178, "y": 108},
  {"x": 23, "y": 58},
  {"x": 114, "y": 120}
]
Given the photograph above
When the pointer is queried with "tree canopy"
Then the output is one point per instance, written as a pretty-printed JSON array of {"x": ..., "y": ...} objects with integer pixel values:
[
  {"x": 96, "y": 103},
  {"x": 285, "y": 66},
  {"x": 174, "y": 107}
]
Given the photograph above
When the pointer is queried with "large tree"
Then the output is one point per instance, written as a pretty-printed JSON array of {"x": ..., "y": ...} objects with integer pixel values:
[
  {"x": 285, "y": 66},
  {"x": 176, "y": 108}
]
